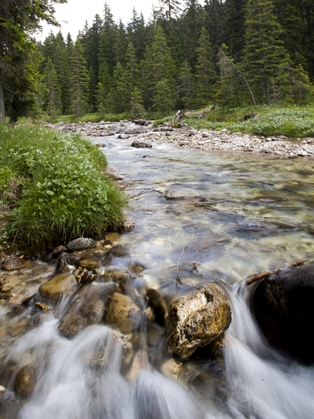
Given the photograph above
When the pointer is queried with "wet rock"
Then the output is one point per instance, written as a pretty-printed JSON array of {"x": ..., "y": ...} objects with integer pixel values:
[
  {"x": 112, "y": 237},
  {"x": 2, "y": 393},
  {"x": 42, "y": 306},
  {"x": 283, "y": 306},
  {"x": 140, "y": 362},
  {"x": 141, "y": 144},
  {"x": 115, "y": 276},
  {"x": 171, "y": 369},
  {"x": 81, "y": 243},
  {"x": 123, "y": 313},
  {"x": 65, "y": 259},
  {"x": 58, "y": 285},
  {"x": 120, "y": 250},
  {"x": 87, "y": 307},
  {"x": 83, "y": 276},
  {"x": 25, "y": 381},
  {"x": 59, "y": 249},
  {"x": 128, "y": 226},
  {"x": 12, "y": 264},
  {"x": 114, "y": 343},
  {"x": 179, "y": 192},
  {"x": 158, "y": 305},
  {"x": 196, "y": 320}
]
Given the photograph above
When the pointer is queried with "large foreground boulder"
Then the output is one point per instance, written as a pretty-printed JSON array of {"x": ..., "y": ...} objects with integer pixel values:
[
  {"x": 283, "y": 304},
  {"x": 196, "y": 320}
]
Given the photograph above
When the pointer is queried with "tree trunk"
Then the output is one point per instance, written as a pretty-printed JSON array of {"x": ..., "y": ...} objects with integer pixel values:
[{"x": 2, "y": 107}]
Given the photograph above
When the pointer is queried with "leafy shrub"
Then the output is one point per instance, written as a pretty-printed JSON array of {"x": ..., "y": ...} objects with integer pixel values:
[{"x": 66, "y": 192}]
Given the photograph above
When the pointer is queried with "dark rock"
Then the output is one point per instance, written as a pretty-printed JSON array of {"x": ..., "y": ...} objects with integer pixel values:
[
  {"x": 65, "y": 259},
  {"x": 81, "y": 243},
  {"x": 88, "y": 307},
  {"x": 12, "y": 264},
  {"x": 284, "y": 309},
  {"x": 196, "y": 320},
  {"x": 141, "y": 144},
  {"x": 25, "y": 381},
  {"x": 156, "y": 302}
]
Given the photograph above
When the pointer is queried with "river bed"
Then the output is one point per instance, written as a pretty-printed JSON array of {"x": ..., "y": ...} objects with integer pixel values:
[{"x": 256, "y": 212}]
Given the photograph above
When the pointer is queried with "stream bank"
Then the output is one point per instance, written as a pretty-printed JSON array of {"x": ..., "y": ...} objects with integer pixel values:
[{"x": 188, "y": 137}]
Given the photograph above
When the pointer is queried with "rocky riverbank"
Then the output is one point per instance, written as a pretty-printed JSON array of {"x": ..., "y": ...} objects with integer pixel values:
[{"x": 189, "y": 137}]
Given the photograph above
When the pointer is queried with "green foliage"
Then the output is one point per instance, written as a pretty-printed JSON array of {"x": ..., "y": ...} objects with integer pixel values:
[
  {"x": 291, "y": 121},
  {"x": 66, "y": 192}
]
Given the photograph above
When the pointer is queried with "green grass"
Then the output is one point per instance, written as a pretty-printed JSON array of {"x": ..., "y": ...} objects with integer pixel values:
[
  {"x": 55, "y": 186},
  {"x": 293, "y": 121}
]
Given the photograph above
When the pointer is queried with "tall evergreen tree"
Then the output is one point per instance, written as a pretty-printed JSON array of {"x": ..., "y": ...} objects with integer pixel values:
[
  {"x": 107, "y": 40},
  {"x": 159, "y": 67},
  {"x": 186, "y": 86},
  {"x": 268, "y": 65},
  {"x": 234, "y": 27},
  {"x": 192, "y": 21},
  {"x": 79, "y": 80},
  {"x": 52, "y": 93},
  {"x": 19, "y": 19},
  {"x": 214, "y": 21},
  {"x": 206, "y": 76}
]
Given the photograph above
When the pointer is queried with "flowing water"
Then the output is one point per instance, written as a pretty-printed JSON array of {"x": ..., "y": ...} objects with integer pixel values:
[{"x": 256, "y": 213}]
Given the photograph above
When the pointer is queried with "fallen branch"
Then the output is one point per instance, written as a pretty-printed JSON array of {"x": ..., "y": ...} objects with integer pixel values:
[
  {"x": 146, "y": 191},
  {"x": 262, "y": 275}
]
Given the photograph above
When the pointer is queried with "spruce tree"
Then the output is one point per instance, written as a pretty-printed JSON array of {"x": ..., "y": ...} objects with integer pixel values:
[
  {"x": 205, "y": 76},
  {"x": 159, "y": 67},
  {"x": 79, "y": 80},
  {"x": 52, "y": 93},
  {"x": 186, "y": 86},
  {"x": 268, "y": 66},
  {"x": 234, "y": 27}
]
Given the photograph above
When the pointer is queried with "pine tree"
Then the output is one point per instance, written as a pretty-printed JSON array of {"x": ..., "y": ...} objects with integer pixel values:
[
  {"x": 107, "y": 40},
  {"x": 169, "y": 8},
  {"x": 138, "y": 34},
  {"x": 52, "y": 93},
  {"x": 268, "y": 65},
  {"x": 90, "y": 40},
  {"x": 206, "y": 76},
  {"x": 214, "y": 23},
  {"x": 62, "y": 66},
  {"x": 186, "y": 86},
  {"x": 136, "y": 104},
  {"x": 103, "y": 89},
  {"x": 192, "y": 21},
  {"x": 163, "y": 101},
  {"x": 119, "y": 92},
  {"x": 234, "y": 27},
  {"x": 159, "y": 67},
  {"x": 79, "y": 80}
]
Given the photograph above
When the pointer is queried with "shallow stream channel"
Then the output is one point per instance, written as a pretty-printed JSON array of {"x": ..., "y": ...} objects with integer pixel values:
[{"x": 247, "y": 213}]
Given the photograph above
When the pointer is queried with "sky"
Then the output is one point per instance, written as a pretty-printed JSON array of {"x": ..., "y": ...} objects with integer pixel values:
[{"x": 72, "y": 16}]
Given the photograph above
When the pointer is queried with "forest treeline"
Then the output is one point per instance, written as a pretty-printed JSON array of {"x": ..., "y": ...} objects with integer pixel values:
[{"x": 187, "y": 56}]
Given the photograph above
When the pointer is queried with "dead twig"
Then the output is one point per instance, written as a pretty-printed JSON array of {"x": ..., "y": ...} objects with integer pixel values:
[
  {"x": 262, "y": 275},
  {"x": 177, "y": 277}
]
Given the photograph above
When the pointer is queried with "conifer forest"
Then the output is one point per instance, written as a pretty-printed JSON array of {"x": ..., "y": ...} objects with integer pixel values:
[{"x": 187, "y": 56}]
